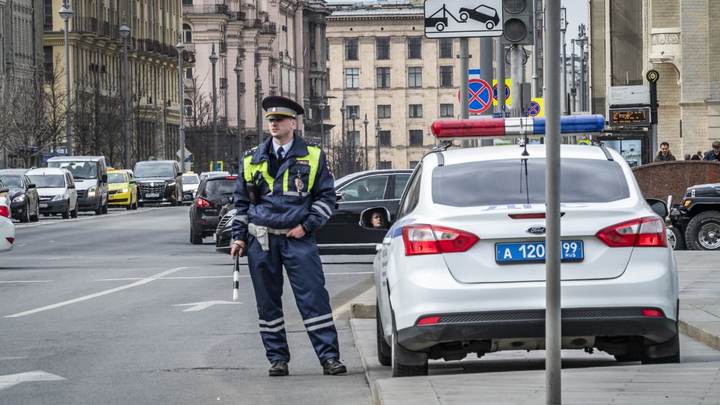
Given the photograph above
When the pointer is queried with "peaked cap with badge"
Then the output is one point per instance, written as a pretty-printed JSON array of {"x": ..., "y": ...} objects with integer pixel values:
[{"x": 281, "y": 106}]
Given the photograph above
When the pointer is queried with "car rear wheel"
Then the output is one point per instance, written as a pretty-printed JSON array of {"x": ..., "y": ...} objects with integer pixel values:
[
  {"x": 384, "y": 351},
  {"x": 406, "y": 363},
  {"x": 195, "y": 238},
  {"x": 489, "y": 25},
  {"x": 703, "y": 231}
]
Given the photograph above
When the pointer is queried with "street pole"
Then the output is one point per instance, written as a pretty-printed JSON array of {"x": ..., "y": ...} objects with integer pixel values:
[
  {"x": 573, "y": 89},
  {"x": 125, "y": 34},
  {"x": 582, "y": 39},
  {"x": 486, "y": 66},
  {"x": 516, "y": 78},
  {"x": 323, "y": 106},
  {"x": 366, "y": 122},
  {"x": 238, "y": 74},
  {"x": 213, "y": 61},
  {"x": 553, "y": 331},
  {"x": 464, "y": 56},
  {"x": 377, "y": 144},
  {"x": 500, "y": 75},
  {"x": 181, "y": 101},
  {"x": 563, "y": 29},
  {"x": 66, "y": 13}
]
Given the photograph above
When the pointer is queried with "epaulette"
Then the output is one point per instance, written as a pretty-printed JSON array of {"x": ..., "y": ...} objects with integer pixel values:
[{"x": 250, "y": 152}]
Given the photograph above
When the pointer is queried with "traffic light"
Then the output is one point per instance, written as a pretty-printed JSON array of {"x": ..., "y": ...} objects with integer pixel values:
[{"x": 518, "y": 26}]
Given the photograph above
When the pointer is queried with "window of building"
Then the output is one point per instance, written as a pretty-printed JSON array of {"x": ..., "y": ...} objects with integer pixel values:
[
  {"x": 384, "y": 111},
  {"x": 414, "y": 47},
  {"x": 415, "y": 111},
  {"x": 385, "y": 138},
  {"x": 49, "y": 66},
  {"x": 188, "y": 108},
  {"x": 447, "y": 110},
  {"x": 416, "y": 137},
  {"x": 352, "y": 111},
  {"x": 385, "y": 164},
  {"x": 187, "y": 33},
  {"x": 189, "y": 73},
  {"x": 48, "y": 22},
  {"x": 626, "y": 24},
  {"x": 446, "y": 47},
  {"x": 351, "y": 49},
  {"x": 383, "y": 77},
  {"x": 382, "y": 48},
  {"x": 413, "y": 163},
  {"x": 446, "y": 76},
  {"x": 414, "y": 77},
  {"x": 352, "y": 78},
  {"x": 355, "y": 137}
]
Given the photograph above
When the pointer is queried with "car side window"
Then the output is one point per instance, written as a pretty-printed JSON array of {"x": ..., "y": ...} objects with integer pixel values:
[
  {"x": 369, "y": 188},
  {"x": 412, "y": 196},
  {"x": 400, "y": 183}
]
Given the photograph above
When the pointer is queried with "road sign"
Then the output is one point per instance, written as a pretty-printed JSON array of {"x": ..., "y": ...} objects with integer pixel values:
[
  {"x": 188, "y": 155},
  {"x": 479, "y": 96},
  {"x": 508, "y": 92},
  {"x": 536, "y": 107},
  {"x": 463, "y": 18}
]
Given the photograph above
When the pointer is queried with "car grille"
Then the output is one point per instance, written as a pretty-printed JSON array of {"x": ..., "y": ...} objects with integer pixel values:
[
  {"x": 224, "y": 220},
  {"x": 111, "y": 192},
  {"x": 81, "y": 193},
  {"x": 539, "y": 315},
  {"x": 156, "y": 188}
]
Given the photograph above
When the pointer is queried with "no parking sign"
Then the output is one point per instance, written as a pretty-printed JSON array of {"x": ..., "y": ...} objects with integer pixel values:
[{"x": 479, "y": 96}]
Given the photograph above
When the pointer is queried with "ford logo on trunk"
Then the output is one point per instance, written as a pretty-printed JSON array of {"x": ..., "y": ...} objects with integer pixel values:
[{"x": 536, "y": 230}]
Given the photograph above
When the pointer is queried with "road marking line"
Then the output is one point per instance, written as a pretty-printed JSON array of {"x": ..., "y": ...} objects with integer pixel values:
[
  {"x": 24, "y": 281},
  {"x": 7, "y": 381},
  {"x": 98, "y": 294},
  {"x": 199, "y": 306}
]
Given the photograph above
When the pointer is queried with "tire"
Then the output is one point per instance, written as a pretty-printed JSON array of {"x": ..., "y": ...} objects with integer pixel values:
[
  {"x": 464, "y": 16},
  {"x": 195, "y": 238},
  {"x": 679, "y": 238},
  {"x": 703, "y": 231},
  {"x": 489, "y": 25},
  {"x": 74, "y": 213},
  {"x": 440, "y": 27},
  {"x": 105, "y": 209},
  {"x": 673, "y": 358},
  {"x": 98, "y": 209},
  {"x": 384, "y": 351},
  {"x": 26, "y": 213},
  {"x": 406, "y": 363},
  {"x": 66, "y": 213}
]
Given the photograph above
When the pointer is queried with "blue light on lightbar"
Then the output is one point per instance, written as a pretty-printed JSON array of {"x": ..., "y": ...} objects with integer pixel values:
[{"x": 570, "y": 124}]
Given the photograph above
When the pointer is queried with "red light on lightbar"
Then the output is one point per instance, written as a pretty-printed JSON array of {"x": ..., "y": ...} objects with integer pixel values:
[
  {"x": 428, "y": 320},
  {"x": 537, "y": 215},
  {"x": 453, "y": 128},
  {"x": 652, "y": 313}
]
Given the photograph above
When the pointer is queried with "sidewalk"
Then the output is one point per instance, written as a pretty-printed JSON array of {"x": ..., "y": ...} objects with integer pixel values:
[{"x": 587, "y": 379}]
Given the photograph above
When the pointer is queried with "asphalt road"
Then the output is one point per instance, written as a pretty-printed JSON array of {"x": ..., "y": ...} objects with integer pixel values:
[{"x": 103, "y": 310}]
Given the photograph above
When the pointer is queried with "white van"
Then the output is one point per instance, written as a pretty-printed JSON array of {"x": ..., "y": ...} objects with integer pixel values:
[{"x": 56, "y": 189}]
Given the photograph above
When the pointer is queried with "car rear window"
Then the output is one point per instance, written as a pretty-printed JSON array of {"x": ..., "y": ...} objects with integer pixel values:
[
  {"x": 504, "y": 182},
  {"x": 220, "y": 187}
]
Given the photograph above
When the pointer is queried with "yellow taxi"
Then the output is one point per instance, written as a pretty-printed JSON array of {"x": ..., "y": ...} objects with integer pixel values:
[{"x": 122, "y": 190}]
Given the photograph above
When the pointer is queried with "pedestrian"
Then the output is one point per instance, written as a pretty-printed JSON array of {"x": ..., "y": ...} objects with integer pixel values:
[
  {"x": 713, "y": 154},
  {"x": 664, "y": 155},
  {"x": 697, "y": 156},
  {"x": 284, "y": 193}
]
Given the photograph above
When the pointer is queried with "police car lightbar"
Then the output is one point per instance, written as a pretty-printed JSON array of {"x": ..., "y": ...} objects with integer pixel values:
[{"x": 496, "y": 127}]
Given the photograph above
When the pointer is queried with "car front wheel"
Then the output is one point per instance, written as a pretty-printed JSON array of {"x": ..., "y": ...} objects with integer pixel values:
[{"x": 703, "y": 231}]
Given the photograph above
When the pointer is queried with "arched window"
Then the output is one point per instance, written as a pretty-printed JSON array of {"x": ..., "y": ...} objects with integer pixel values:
[
  {"x": 187, "y": 33},
  {"x": 188, "y": 108}
]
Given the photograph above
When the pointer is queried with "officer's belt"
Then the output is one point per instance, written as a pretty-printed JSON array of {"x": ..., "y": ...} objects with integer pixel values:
[{"x": 261, "y": 233}]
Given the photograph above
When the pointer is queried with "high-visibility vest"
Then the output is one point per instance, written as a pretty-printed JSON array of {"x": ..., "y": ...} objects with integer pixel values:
[{"x": 313, "y": 159}]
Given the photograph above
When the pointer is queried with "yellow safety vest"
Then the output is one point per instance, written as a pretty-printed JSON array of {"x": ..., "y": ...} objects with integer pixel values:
[{"x": 313, "y": 159}]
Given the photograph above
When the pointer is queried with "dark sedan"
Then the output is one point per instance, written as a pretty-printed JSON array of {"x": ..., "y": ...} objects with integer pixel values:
[
  {"x": 212, "y": 194},
  {"x": 23, "y": 195}
]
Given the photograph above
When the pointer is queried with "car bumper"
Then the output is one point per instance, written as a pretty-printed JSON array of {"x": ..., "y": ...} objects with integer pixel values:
[
  {"x": 188, "y": 195},
  {"x": 7, "y": 230},
  {"x": 208, "y": 224},
  {"x": 120, "y": 199},
  {"x": 222, "y": 241},
  {"x": 53, "y": 207},
  {"x": 88, "y": 203},
  {"x": 18, "y": 209}
]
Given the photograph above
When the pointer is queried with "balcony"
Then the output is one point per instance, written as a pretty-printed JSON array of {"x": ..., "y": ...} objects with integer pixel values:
[
  {"x": 268, "y": 28},
  {"x": 220, "y": 9}
]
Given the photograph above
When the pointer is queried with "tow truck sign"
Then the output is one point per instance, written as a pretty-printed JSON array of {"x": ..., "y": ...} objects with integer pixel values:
[{"x": 463, "y": 18}]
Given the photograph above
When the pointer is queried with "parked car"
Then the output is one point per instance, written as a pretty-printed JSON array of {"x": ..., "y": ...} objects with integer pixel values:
[
  {"x": 697, "y": 218},
  {"x": 213, "y": 193},
  {"x": 7, "y": 228},
  {"x": 459, "y": 236},
  {"x": 191, "y": 181},
  {"x": 23, "y": 196},
  {"x": 57, "y": 192},
  {"x": 159, "y": 181},
  {"x": 342, "y": 234},
  {"x": 122, "y": 189},
  {"x": 90, "y": 176}
]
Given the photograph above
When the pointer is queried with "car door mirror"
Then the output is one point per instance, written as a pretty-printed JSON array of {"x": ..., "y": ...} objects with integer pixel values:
[
  {"x": 376, "y": 218},
  {"x": 338, "y": 196},
  {"x": 658, "y": 206},
  {"x": 31, "y": 185}
]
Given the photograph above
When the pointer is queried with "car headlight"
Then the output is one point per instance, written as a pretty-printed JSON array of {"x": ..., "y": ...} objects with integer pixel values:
[
  {"x": 124, "y": 190},
  {"x": 170, "y": 184},
  {"x": 59, "y": 197},
  {"x": 19, "y": 198},
  {"x": 91, "y": 191}
]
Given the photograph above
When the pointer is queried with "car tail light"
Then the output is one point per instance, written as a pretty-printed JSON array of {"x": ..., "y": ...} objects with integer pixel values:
[
  {"x": 231, "y": 178},
  {"x": 4, "y": 211},
  {"x": 641, "y": 232},
  {"x": 11, "y": 240},
  {"x": 202, "y": 203},
  {"x": 652, "y": 313},
  {"x": 536, "y": 215},
  {"x": 433, "y": 239},
  {"x": 428, "y": 320}
]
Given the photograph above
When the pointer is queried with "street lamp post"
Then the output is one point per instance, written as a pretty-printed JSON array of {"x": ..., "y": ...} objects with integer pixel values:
[
  {"x": 322, "y": 106},
  {"x": 213, "y": 61},
  {"x": 181, "y": 101},
  {"x": 238, "y": 73},
  {"x": 125, "y": 34},
  {"x": 377, "y": 144},
  {"x": 258, "y": 99},
  {"x": 366, "y": 122},
  {"x": 353, "y": 117},
  {"x": 563, "y": 29},
  {"x": 342, "y": 131},
  {"x": 66, "y": 13}
]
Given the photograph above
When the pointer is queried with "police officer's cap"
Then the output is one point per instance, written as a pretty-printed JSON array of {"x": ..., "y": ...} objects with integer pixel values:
[{"x": 281, "y": 106}]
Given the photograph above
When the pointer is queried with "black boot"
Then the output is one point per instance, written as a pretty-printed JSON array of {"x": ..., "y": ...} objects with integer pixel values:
[
  {"x": 334, "y": 367},
  {"x": 278, "y": 369}
]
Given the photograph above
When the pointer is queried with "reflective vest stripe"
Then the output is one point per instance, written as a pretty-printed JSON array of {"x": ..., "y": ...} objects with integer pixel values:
[{"x": 313, "y": 159}]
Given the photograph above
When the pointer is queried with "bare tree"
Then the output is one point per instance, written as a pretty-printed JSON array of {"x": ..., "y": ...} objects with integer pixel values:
[
  {"x": 201, "y": 105},
  {"x": 344, "y": 156}
]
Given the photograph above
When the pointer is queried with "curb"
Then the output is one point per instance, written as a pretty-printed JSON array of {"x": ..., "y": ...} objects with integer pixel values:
[
  {"x": 366, "y": 369},
  {"x": 700, "y": 334},
  {"x": 362, "y": 311}
]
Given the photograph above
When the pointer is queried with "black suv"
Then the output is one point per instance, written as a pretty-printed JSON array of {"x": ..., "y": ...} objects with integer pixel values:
[
  {"x": 158, "y": 181},
  {"x": 698, "y": 217},
  {"x": 212, "y": 194}
]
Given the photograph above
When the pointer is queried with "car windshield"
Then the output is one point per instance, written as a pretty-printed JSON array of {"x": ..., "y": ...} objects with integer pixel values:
[
  {"x": 10, "y": 181},
  {"x": 190, "y": 180},
  {"x": 79, "y": 170},
  {"x": 117, "y": 178},
  {"x": 507, "y": 182},
  {"x": 48, "y": 180},
  {"x": 220, "y": 187},
  {"x": 154, "y": 170}
]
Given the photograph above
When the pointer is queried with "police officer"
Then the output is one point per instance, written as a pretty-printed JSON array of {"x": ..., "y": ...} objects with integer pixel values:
[{"x": 284, "y": 194}]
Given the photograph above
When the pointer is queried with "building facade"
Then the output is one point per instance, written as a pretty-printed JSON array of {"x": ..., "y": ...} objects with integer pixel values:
[
  {"x": 383, "y": 69},
  {"x": 263, "y": 48},
  {"x": 95, "y": 54},
  {"x": 674, "y": 37}
]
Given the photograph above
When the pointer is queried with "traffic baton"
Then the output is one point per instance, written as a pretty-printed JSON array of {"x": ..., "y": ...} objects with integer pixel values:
[{"x": 236, "y": 278}]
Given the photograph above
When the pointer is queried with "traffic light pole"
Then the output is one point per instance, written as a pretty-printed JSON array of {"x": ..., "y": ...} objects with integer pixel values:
[
  {"x": 500, "y": 74},
  {"x": 486, "y": 65},
  {"x": 464, "y": 56},
  {"x": 516, "y": 77}
]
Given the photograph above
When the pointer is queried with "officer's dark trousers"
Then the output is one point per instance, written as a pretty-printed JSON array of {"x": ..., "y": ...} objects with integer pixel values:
[{"x": 304, "y": 269}]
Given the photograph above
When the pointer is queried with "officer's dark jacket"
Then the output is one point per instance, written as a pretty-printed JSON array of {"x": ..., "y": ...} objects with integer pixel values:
[{"x": 302, "y": 192}]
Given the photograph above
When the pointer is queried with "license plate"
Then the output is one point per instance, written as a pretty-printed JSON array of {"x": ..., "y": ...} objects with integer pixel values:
[
  {"x": 152, "y": 195},
  {"x": 534, "y": 252},
  {"x": 43, "y": 205}
]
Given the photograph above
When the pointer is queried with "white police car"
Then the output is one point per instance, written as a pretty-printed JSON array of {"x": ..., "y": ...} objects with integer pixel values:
[
  {"x": 7, "y": 228},
  {"x": 461, "y": 269}
]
